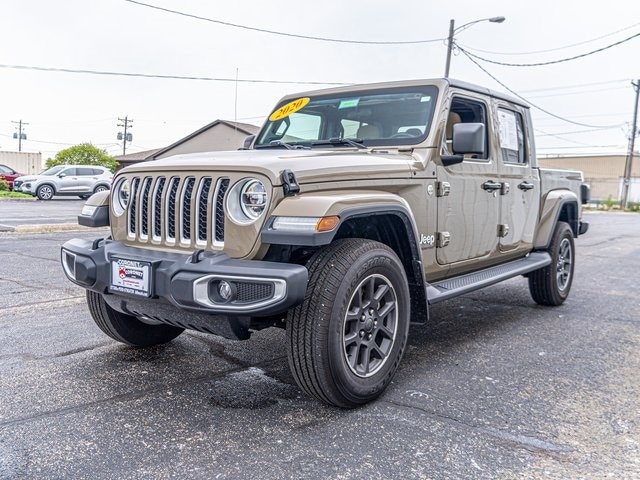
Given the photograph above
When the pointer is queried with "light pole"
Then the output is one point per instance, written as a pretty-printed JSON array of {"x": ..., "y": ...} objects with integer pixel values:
[{"x": 453, "y": 31}]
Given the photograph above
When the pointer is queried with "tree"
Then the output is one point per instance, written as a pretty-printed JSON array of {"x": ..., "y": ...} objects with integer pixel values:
[{"x": 83, "y": 154}]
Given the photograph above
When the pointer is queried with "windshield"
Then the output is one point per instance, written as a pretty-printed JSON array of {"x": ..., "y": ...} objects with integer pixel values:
[
  {"x": 53, "y": 170},
  {"x": 390, "y": 116}
]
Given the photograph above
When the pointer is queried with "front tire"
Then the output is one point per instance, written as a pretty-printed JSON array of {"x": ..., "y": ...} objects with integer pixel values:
[
  {"x": 127, "y": 328},
  {"x": 346, "y": 340},
  {"x": 100, "y": 188},
  {"x": 45, "y": 192},
  {"x": 551, "y": 285}
]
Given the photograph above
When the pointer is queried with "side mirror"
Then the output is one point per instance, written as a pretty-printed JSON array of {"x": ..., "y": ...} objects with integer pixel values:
[
  {"x": 469, "y": 138},
  {"x": 585, "y": 193},
  {"x": 246, "y": 145},
  {"x": 62, "y": 175}
]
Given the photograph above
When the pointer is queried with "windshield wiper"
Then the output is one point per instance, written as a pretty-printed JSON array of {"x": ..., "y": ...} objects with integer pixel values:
[
  {"x": 288, "y": 146},
  {"x": 354, "y": 142}
]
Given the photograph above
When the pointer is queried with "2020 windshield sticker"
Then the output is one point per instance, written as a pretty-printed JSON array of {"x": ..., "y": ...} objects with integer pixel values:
[{"x": 289, "y": 108}]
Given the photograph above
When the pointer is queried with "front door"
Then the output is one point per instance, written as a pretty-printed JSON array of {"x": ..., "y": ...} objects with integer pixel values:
[
  {"x": 67, "y": 180},
  {"x": 468, "y": 213}
]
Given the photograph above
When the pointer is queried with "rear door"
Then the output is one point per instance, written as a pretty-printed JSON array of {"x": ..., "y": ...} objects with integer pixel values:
[
  {"x": 520, "y": 184},
  {"x": 86, "y": 179}
]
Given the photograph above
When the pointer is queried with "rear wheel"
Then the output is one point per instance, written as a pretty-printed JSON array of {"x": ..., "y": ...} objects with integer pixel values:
[
  {"x": 45, "y": 192},
  {"x": 347, "y": 338},
  {"x": 551, "y": 285},
  {"x": 127, "y": 328}
]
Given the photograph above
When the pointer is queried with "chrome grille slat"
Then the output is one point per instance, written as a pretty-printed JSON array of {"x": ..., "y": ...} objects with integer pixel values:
[
  {"x": 156, "y": 207},
  {"x": 183, "y": 210},
  {"x": 143, "y": 204},
  {"x": 170, "y": 210},
  {"x": 131, "y": 215},
  {"x": 202, "y": 202},
  {"x": 221, "y": 190}
]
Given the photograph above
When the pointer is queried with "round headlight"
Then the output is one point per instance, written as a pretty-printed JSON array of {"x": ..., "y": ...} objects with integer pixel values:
[
  {"x": 247, "y": 201},
  {"x": 120, "y": 198},
  {"x": 253, "y": 199}
]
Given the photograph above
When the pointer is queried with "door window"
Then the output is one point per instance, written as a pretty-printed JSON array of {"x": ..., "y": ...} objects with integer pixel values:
[
  {"x": 85, "y": 171},
  {"x": 465, "y": 110},
  {"x": 69, "y": 172},
  {"x": 511, "y": 130}
]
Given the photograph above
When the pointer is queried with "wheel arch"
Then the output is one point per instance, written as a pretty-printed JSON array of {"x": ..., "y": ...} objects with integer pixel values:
[
  {"x": 558, "y": 205},
  {"x": 386, "y": 218}
]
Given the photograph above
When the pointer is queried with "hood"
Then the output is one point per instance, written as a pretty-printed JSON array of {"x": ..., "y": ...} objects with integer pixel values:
[
  {"x": 309, "y": 166},
  {"x": 29, "y": 178}
]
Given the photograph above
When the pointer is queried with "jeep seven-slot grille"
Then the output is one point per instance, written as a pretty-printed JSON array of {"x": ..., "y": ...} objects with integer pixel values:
[{"x": 172, "y": 210}]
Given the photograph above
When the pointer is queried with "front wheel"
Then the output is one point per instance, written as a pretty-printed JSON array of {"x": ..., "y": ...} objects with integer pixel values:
[
  {"x": 100, "y": 188},
  {"x": 127, "y": 328},
  {"x": 550, "y": 285},
  {"x": 45, "y": 192},
  {"x": 347, "y": 338}
]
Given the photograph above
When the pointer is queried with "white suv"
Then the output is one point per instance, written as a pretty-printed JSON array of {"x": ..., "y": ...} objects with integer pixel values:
[{"x": 81, "y": 180}]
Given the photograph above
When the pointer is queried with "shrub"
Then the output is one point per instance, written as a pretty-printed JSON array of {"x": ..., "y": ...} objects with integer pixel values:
[{"x": 4, "y": 185}]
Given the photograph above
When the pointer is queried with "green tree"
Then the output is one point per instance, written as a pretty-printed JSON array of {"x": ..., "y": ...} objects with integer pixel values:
[{"x": 83, "y": 154}]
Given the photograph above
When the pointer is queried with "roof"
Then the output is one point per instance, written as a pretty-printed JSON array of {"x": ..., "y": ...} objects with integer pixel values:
[
  {"x": 245, "y": 128},
  {"x": 438, "y": 82},
  {"x": 138, "y": 156}
]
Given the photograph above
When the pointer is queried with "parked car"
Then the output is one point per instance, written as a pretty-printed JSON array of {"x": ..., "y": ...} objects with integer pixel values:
[
  {"x": 80, "y": 180},
  {"x": 9, "y": 174}
]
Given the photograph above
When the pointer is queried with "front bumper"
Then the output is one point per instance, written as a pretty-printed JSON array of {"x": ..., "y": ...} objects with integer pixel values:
[{"x": 189, "y": 282}]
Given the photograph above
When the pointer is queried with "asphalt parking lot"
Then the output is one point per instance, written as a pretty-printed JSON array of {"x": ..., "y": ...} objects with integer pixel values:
[
  {"x": 493, "y": 387},
  {"x": 58, "y": 210}
]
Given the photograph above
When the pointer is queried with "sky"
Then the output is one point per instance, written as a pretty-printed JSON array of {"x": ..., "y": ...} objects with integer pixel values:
[{"x": 63, "y": 109}]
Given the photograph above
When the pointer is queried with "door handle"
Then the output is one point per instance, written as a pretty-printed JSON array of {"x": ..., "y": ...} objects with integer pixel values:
[
  {"x": 490, "y": 186},
  {"x": 526, "y": 186}
]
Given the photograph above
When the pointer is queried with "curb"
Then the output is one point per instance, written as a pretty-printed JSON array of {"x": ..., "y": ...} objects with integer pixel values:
[{"x": 48, "y": 228}]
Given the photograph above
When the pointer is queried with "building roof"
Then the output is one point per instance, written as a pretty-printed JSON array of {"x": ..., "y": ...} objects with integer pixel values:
[
  {"x": 138, "y": 156},
  {"x": 245, "y": 128}
]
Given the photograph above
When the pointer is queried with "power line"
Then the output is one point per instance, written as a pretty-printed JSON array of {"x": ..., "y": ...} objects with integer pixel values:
[
  {"x": 580, "y": 92},
  {"x": 532, "y": 104},
  {"x": 171, "y": 77},
  {"x": 556, "y": 48},
  {"x": 284, "y": 34},
  {"x": 552, "y": 62},
  {"x": 578, "y": 85}
]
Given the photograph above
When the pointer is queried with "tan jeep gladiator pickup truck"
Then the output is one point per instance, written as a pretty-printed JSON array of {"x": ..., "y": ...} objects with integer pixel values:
[{"x": 351, "y": 212}]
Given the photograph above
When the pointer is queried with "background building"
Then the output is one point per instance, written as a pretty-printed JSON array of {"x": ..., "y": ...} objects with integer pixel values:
[
  {"x": 217, "y": 136},
  {"x": 29, "y": 163}
]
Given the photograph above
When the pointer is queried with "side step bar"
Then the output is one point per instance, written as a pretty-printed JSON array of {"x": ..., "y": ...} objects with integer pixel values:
[{"x": 453, "y": 287}]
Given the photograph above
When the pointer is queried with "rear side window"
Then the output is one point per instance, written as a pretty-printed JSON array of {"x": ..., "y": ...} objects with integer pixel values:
[
  {"x": 97, "y": 171},
  {"x": 86, "y": 171},
  {"x": 511, "y": 129}
]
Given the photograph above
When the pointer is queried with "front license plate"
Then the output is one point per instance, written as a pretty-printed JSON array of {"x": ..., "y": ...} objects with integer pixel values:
[{"x": 130, "y": 276}]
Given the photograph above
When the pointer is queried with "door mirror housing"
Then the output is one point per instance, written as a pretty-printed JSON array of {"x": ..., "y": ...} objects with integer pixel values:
[
  {"x": 469, "y": 138},
  {"x": 62, "y": 175},
  {"x": 246, "y": 145}
]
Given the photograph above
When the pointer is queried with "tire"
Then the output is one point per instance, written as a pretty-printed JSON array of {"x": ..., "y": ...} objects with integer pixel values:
[
  {"x": 551, "y": 285},
  {"x": 45, "y": 192},
  {"x": 84, "y": 197},
  {"x": 100, "y": 188},
  {"x": 127, "y": 328},
  {"x": 331, "y": 337}
]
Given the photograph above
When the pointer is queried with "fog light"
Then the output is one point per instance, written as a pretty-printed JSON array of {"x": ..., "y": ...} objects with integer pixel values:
[{"x": 224, "y": 290}]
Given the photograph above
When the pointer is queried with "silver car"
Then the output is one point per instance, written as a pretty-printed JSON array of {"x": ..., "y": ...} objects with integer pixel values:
[{"x": 80, "y": 180}]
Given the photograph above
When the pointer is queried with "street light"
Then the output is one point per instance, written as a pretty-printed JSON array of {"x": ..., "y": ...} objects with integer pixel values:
[{"x": 453, "y": 31}]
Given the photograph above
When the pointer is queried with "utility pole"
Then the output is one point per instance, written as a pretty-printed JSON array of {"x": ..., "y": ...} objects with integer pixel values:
[
  {"x": 632, "y": 141},
  {"x": 125, "y": 137},
  {"x": 449, "y": 47},
  {"x": 19, "y": 135}
]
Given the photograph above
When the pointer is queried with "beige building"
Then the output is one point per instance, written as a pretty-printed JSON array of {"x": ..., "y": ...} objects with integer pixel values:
[
  {"x": 217, "y": 136},
  {"x": 603, "y": 173}
]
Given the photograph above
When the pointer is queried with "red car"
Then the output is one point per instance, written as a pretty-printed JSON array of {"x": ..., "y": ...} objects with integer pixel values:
[{"x": 9, "y": 174}]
